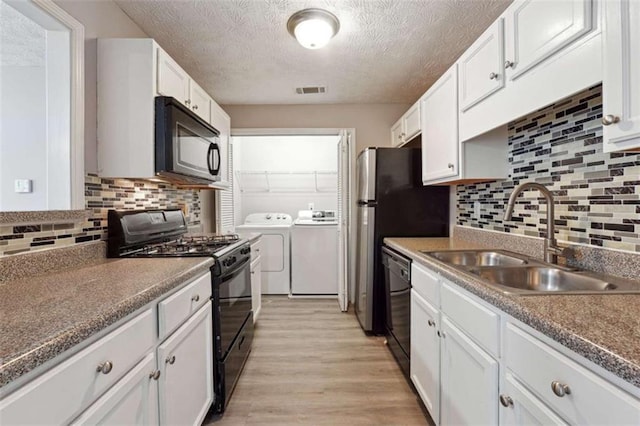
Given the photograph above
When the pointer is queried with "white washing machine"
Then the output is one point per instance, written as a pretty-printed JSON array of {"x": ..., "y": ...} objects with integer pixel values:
[
  {"x": 276, "y": 249},
  {"x": 314, "y": 256}
]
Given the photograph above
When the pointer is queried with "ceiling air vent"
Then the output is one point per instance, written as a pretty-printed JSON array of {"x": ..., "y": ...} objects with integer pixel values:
[{"x": 310, "y": 90}]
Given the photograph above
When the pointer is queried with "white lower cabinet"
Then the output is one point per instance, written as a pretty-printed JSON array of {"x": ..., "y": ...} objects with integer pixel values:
[
  {"x": 256, "y": 287},
  {"x": 132, "y": 401},
  {"x": 468, "y": 380},
  {"x": 186, "y": 377},
  {"x": 119, "y": 380},
  {"x": 521, "y": 407},
  {"x": 425, "y": 353},
  {"x": 465, "y": 373}
]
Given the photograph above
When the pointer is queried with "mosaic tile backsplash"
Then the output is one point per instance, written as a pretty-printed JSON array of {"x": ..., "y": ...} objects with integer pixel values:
[
  {"x": 101, "y": 195},
  {"x": 597, "y": 195}
]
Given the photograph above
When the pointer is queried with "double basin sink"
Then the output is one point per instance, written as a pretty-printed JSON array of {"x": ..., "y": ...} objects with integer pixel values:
[{"x": 512, "y": 273}]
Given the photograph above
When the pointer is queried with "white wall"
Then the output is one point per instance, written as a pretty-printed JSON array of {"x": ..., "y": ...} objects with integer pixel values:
[
  {"x": 371, "y": 121},
  {"x": 284, "y": 156},
  {"x": 101, "y": 19}
]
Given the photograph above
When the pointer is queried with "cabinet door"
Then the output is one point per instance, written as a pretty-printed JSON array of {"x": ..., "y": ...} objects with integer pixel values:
[
  {"x": 425, "y": 353},
  {"x": 200, "y": 101},
  {"x": 396, "y": 134},
  {"x": 132, "y": 401},
  {"x": 256, "y": 287},
  {"x": 411, "y": 122},
  {"x": 481, "y": 67},
  {"x": 222, "y": 123},
  {"x": 469, "y": 380},
  {"x": 439, "y": 111},
  {"x": 536, "y": 30},
  {"x": 185, "y": 361},
  {"x": 621, "y": 83},
  {"x": 172, "y": 79},
  {"x": 522, "y": 408}
]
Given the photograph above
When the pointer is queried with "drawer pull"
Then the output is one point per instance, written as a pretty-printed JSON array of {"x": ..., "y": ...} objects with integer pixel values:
[
  {"x": 431, "y": 323},
  {"x": 506, "y": 401},
  {"x": 609, "y": 119},
  {"x": 560, "y": 389},
  {"x": 155, "y": 375},
  {"x": 196, "y": 298},
  {"x": 441, "y": 334},
  {"x": 493, "y": 76},
  {"x": 105, "y": 367},
  {"x": 170, "y": 360}
]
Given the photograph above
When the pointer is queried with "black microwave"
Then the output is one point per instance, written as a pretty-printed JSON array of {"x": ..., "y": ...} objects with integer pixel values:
[{"x": 187, "y": 147}]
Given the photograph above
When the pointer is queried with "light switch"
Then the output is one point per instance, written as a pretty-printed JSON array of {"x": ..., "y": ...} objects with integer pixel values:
[{"x": 23, "y": 186}]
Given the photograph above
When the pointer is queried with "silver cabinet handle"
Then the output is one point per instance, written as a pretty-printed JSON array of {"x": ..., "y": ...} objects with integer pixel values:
[
  {"x": 400, "y": 136},
  {"x": 431, "y": 323},
  {"x": 187, "y": 102},
  {"x": 257, "y": 250},
  {"x": 560, "y": 389},
  {"x": 155, "y": 374},
  {"x": 506, "y": 401},
  {"x": 508, "y": 64},
  {"x": 195, "y": 107},
  {"x": 493, "y": 76},
  {"x": 609, "y": 119},
  {"x": 441, "y": 334},
  {"x": 450, "y": 165},
  {"x": 105, "y": 367},
  {"x": 170, "y": 360},
  {"x": 196, "y": 298}
]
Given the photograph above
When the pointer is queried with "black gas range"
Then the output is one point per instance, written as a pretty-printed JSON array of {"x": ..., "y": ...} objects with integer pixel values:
[{"x": 163, "y": 233}]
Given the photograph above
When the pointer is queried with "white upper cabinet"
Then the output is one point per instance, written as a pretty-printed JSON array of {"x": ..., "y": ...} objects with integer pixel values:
[
  {"x": 131, "y": 73},
  {"x": 172, "y": 79},
  {"x": 396, "y": 133},
  {"x": 548, "y": 50},
  {"x": 439, "y": 109},
  {"x": 536, "y": 30},
  {"x": 411, "y": 122},
  {"x": 621, "y": 83},
  {"x": 199, "y": 101},
  {"x": 481, "y": 67},
  {"x": 407, "y": 127}
]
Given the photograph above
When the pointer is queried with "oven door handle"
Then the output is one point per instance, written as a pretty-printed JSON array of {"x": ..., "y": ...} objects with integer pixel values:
[{"x": 237, "y": 271}]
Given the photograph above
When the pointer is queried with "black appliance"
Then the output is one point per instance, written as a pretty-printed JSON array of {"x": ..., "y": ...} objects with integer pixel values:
[
  {"x": 187, "y": 147},
  {"x": 162, "y": 233},
  {"x": 397, "y": 280},
  {"x": 392, "y": 202}
]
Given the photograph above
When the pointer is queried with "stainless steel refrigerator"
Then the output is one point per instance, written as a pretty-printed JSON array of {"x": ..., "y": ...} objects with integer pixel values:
[{"x": 391, "y": 203}]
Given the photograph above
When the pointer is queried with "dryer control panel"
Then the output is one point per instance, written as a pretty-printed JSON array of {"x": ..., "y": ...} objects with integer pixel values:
[{"x": 268, "y": 219}]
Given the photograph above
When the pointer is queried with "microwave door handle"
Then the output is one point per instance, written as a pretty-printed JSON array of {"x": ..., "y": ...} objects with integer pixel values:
[
  {"x": 212, "y": 146},
  {"x": 216, "y": 170}
]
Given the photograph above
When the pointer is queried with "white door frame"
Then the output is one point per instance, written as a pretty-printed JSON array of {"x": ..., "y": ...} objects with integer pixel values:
[{"x": 350, "y": 290}]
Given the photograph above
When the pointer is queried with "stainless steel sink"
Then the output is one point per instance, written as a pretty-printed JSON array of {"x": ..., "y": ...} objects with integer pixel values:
[
  {"x": 544, "y": 279},
  {"x": 476, "y": 258},
  {"x": 512, "y": 273}
]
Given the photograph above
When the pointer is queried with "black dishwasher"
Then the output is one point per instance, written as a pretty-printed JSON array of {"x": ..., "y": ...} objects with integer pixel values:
[{"x": 397, "y": 280}]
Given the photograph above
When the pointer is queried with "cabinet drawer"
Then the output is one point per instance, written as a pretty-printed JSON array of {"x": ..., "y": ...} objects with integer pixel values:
[
  {"x": 425, "y": 283},
  {"x": 256, "y": 249},
  {"x": 59, "y": 395},
  {"x": 591, "y": 400},
  {"x": 478, "y": 321},
  {"x": 175, "y": 309}
]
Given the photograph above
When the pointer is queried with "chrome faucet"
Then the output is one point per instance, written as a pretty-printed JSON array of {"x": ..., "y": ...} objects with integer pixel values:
[{"x": 551, "y": 248}]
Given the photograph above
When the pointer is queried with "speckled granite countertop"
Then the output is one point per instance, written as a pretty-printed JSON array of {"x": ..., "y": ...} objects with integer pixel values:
[
  {"x": 43, "y": 316},
  {"x": 605, "y": 329}
]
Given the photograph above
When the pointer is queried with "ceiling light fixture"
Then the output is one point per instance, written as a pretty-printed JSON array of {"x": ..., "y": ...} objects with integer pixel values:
[{"x": 313, "y": 28}]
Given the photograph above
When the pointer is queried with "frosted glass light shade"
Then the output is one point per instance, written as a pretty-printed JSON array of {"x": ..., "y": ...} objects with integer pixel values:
[{"x": 313, "y": 28}]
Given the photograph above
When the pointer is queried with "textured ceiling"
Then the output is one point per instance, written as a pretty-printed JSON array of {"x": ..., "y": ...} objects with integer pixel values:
[
  {"x": 387, "y": 51},
  {"x": 22, "y": 41}
]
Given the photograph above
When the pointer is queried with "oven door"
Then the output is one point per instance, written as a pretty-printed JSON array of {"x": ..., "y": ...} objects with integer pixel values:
[
  {"x": 187, "y": 147},
  {"x": 235, "y": 304}
]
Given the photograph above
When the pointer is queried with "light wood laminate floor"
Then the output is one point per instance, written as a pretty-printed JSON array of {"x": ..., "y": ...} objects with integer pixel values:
[{"x": 312, "y": 364}]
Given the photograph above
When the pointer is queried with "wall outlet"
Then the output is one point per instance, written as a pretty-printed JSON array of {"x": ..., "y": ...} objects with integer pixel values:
[
  {"x": 23, "y": 186},
  {"x": 310, "y": 206}
]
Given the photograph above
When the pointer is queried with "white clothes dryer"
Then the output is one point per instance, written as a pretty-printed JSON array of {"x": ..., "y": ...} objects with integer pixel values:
[{"x": 276, "y": 249}]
